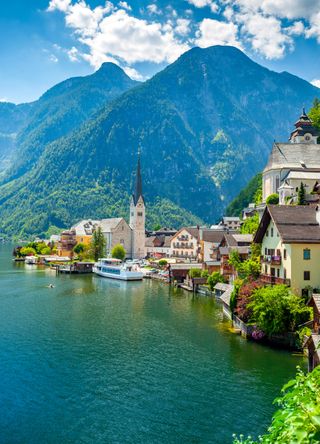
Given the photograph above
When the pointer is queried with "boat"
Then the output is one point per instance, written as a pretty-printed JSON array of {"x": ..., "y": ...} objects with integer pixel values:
[
  {"x": 31, "y": 260},
  {"x": 116, "y": 269}
]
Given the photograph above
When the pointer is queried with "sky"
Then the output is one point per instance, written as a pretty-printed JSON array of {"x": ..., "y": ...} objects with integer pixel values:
[{"x": 43, "y": 42}]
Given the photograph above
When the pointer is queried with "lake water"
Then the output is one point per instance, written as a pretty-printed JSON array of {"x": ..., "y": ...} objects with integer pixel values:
[{"x": 99, "y": 361}]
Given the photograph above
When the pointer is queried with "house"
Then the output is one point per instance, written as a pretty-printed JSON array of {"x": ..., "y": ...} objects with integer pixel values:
[
  {"x": 66, "y": 243},
  {"x": 249, "y": 211},
  {"x": 210, "y": 240},
  {"x": 293, "y": 163},
  {"x": 290, "y": 240},
  {"x": 231, "y": 223},
  {"x": 84, "y": 230},
  {"x": 185, "y": 243},
  {"x": 158, "y": 246},
  {"x": 233, "y": 242},
  {"x": 116, "y": 230},
  {"x": 312, "y": 344}
]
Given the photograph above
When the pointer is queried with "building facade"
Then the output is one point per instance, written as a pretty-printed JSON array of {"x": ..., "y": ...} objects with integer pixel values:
[
  {"x": 290, "y": 241},
  {"x": 185, "y": 244},
  {"x": 293, "y": 163}
]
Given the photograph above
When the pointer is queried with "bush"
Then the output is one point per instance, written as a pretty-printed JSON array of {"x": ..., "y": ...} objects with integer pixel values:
[
  {"x": 27, "y": 251},
  {"x": 250, "y": 225},
  {"x": 275, "y": 310},
  {"x": 297, "y": 420},
  {"x": 163, "y": 263},
  {"x": 205, "y": 274},
  {"x": 273, "y": 199},
  {"x": 214, "y": 278},
  {"x": 46, "y": 251},
  {"x": 245, "y": 292},
  {"x": 118, "y": 252},
  {"x": 194, "y": 273},
  {"x": 234, "y": 295}
]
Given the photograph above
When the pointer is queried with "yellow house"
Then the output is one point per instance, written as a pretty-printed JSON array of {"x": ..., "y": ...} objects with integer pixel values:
[
  {"x": 290, "y": 241},
  {"x": 84, "y": 230}
]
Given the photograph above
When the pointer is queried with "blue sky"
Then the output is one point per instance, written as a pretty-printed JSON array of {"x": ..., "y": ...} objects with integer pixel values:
[{"x": 43, "y": 42}]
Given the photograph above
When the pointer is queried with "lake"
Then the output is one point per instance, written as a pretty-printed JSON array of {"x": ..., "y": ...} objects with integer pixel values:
[{"x": 100, "y": 361}]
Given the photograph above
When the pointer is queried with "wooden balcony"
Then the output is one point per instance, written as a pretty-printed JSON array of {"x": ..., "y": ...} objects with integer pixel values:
[
  {"x": 273, "y": 280},
  {"x": 273, "y": 260}
]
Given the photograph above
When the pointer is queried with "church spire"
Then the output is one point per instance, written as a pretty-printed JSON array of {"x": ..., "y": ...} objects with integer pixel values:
[{"x": 138, "y": 186}]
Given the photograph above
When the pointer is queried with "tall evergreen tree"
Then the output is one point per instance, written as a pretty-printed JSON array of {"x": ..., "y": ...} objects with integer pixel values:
[
  {"x": 98, "y": 244},
  {"x": 302, "y": 195}
]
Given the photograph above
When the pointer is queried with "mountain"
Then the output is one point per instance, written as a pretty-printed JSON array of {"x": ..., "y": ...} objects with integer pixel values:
[
  {"x": 59, "y": 111},
  {"x": 205, "y": 126},
  {"x": 251, "y": 193}
]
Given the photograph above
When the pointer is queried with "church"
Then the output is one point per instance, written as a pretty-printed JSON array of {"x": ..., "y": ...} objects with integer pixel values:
[
  {"x": 293, "y": 163},
  {"x": 116, "y": 230}
]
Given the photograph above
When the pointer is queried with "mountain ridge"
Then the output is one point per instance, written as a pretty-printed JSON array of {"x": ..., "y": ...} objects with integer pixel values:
[{"x": 205, "y": 125}]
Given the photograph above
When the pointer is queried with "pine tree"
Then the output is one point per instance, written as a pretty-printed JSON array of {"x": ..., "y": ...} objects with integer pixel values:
[
  {"x": 301, "y": 195},
  {"x": 98, "y": 244}
]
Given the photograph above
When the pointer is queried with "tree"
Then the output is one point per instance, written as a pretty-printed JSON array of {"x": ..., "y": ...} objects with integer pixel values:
[
  {"x": 46, "y": 251},
  {"x": 297, "y": 419},
  {"x": 249, "y": 268},
  {"x": 27, "y": 251},
  {"x": 156, "y": 227},
  {"x": 194, "y": 272},
  {"x": 118, "y": 252},
  {"x": 250, "y": 225},
  {"x": 275, "y": 310},
  {"x": 273, "y": 199},
  {"x": 214, "y": 278},
  {"x": 79, "y": 248},
  {"x": 301, "y": 195},
  {"x": 98, "y": 244},
  {"x": 163, "y": 263}
]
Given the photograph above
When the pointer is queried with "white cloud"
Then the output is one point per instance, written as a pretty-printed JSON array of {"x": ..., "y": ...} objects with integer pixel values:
[
  {"x": 265, "y": 34},
  {"x": 183, "y": 26},
  {"x": 153, "y": 9},
  {"x": 125, "y": 5},
  {"x": 297, "y": 28},
  {"x": 316, "y": 82},
  {"x": 73, "y": 54},
  {"x": 59, "y": 5},
  {"x": 4, "y": 100},
  {"x": 53, "y": 58},
  {"x": 202, "y": 3},
  {"x": 212, "y": 32},
  {"x": 133, "y": 73}
]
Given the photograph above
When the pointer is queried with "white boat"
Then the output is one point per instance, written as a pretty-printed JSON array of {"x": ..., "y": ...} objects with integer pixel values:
[
  {"x": 32, "y": 260},
  {"x": 116, "y": 269}
]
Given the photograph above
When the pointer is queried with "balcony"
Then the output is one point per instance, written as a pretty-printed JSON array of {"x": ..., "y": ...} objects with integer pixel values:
[
  {"x": 273, "y": 280},
  {"x": 273, "y": 260}
]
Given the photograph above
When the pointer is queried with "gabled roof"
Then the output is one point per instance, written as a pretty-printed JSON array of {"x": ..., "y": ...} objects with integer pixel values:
[
  {"x": 85, "y": 227},
  {"x": 214, "y": 236},
  {"x": 315, "y": 299},
  {"x": 296, "y": 224},
  {"x": 293, "y": 155},
  {"x": 193, "y": 231},
  {"x": 110, "y": 224}
]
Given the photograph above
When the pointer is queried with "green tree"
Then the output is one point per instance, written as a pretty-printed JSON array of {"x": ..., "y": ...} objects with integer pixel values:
[
  {"x": 156, "y": 227},
  {"x": 98, "y": 244},
  {"x": 250, "y": 225},
  {"x": 27, "y": 251},
  {"x": 275, "y": 310},
  {"x": 118, "y": 252},
  {"x": 46, "y": 251},
  {"x": 79, "y": 248},
  {"x": 194, "y": 272},
  {"x": 273, "y": 199},
  {"x": 214, "y": 278},
  {"x": 251, "y": 193},
  {"x": 163, "y": 263},
  {"x": 298, "y": 418},
  {"x": 301, "y": 195}
]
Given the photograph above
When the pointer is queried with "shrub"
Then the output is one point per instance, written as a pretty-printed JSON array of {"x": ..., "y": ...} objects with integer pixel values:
[
  {"x": 214, "y": 278},
  {"x": 163, "y": 263},
  {"x": 118, "y": 252},
  {"x": 27, "y": 251},
  {"x": 273, "y": 199},
  {"x": 194, "y": 273},
  {"x": 297, "y": 420},
  {"x": 245, "y": 292},
  {"x": 234, "y": 295},
  {"x": 46, "y": 251},
  {"x": 205, "y": 274}
]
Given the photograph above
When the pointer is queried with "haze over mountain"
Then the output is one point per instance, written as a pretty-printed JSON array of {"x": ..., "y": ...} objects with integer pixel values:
[{"x": 205, "y": 126}]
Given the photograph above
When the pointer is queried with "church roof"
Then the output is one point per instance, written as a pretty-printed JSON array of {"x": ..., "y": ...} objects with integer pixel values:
[
  {"x": 138, "y": 185},
  {"x": 109, "y": 224},
  {"x": 303, "y": 126},
  {"x": 294, "y": 155}
]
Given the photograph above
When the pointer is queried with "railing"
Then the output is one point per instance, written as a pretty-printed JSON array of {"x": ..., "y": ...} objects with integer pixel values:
[
  {"x": 183, "y": 238},
  {"x": 273, "y": 260},
  {"x": 267, "y": 279},
  {"x": 185, "y": 246}
]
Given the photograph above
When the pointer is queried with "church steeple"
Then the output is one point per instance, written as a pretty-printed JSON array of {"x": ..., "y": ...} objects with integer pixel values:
[
  {"x": 304, "y": 131},
  {"x": 138, "y": 186}
]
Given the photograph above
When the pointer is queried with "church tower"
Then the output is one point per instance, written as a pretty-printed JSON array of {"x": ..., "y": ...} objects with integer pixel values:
[{"x": 138, "y": 217}]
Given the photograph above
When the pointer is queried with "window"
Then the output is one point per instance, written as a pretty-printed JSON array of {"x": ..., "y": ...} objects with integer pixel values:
[
  {"x": 266, "y": 251},
  {"x": 122, "y": 241},
  {"x": 271, "y": 232},
  {"x": 267, "y": 233},
  {"x": 278, "y": 272},
  {"x": 140, "y": 214},
  {"x": 306, "y": 275},
  {"x": 284, "y": 254},
  {"x": 122, "y": 228},
  {"x": 306, "y": 254},
  {"x": 132, "y": 213},
  {"x": 285, "y": 273},
  {"x": 277, "y": 183}
]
